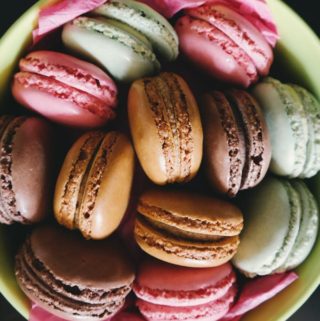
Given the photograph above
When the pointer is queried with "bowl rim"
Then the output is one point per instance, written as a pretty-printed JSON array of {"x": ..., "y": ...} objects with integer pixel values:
[{"x": 290, "y": 47}]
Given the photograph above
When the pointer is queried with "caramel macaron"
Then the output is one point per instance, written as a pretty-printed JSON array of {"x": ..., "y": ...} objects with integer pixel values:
[
  {"x": 166, "y": 128},
  {"x": 73, "y": 278},
  {"x": 187, "y": 229},
  {"x": 93, "y": 188}
]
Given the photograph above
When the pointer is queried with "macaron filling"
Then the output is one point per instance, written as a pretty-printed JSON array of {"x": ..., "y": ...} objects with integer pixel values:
[{"x": 106, "y": 28}]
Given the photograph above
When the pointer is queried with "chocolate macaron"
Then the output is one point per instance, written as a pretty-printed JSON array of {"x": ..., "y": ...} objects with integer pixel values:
[
  {"x": 166, "y": 128},
  {"x": 25, "y": 169},
  {"x": 73, "y": 278},
  {"x": 93, "y": 188},
  {"x": 187, "y": 229},
  {"x": 236, "y": 141}
]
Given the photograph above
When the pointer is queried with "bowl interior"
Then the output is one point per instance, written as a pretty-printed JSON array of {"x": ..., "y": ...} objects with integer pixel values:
[{"x": 297, "y": 61}]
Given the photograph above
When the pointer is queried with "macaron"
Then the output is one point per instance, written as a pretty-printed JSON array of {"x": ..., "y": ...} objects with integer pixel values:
[
  {"x": 123, "y": 36},
  {"x": 26, "y": 169},
  {"x": 94, "y": 185},
  {"x": 166, "y": 128},
  {"x": 170, "y": 292},
  {"x": 293, "y": 114},
  {"x": 187, "y": 229},
  {"x": 224, "y": 43},
  {"x": 147, "y": 21},
  {"x": 72, "y": 278},
  {"x": 236, "y": 141},
  {"x": 282, "y": 220},
  {"x": 65, "y": 89}
]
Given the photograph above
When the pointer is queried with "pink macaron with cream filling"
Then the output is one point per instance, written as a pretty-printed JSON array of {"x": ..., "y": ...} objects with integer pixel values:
[
  {"x": 224, "y": 43},
  {"x": 65, "y": 89},
  {"x": 166, "y": 290}
]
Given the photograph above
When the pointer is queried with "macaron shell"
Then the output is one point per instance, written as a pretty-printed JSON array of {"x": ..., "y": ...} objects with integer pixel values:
[
  {"x": 283, "y": 113},
  {"x": 147, "y": 21},
  {"x": 118, "y": 59},
  {"x": 272, "y": 225},
  {"x": 223, "y": 144},
  {"x": 187, "y": 253},
  {"x": 72, "y": 173},
  {"x": 32, "y": 160},
  {"x": 240, "y": 30},
  {"x": 192, "y": 212},
  {"x": 113, "y": 194},
  {"x": 308, "y": 229},
  {"x": 211, "y": 311},
  {"x": 72, "y": 72},
  {"x": 215, "y": 52},
  {"x": 49, "y": 102}
]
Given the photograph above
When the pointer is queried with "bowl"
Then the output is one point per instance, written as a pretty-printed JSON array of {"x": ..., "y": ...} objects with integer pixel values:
[{"x": 297, "y": 59}]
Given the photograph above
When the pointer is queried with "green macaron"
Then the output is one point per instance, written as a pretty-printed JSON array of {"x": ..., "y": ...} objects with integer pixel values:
[
  {"x": 125, "y": 37},
  {"x": 147, "y": 21},
  {"x": 293, "y": 119},
  {"x": 280, "y": 229}
]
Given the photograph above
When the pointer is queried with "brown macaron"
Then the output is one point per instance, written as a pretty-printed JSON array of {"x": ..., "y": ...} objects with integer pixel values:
[
  {"x": 166, "y": 128},
  {"x": 236, "y": 141},
  {"x": 93, "y": 188},
  {"x": 187, "y": 229},
  {"x": 26, "y": 169},
  {"x": 73, "y": 278}
]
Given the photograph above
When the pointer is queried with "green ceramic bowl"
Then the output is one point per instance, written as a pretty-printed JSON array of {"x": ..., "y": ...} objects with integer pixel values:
[{"x": 297, "y": 59}]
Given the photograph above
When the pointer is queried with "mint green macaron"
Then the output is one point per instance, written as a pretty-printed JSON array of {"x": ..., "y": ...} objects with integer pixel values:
[
  {"x": 281, "y": 225},
  {"x": 293, "y": 118},
  {"x": 147, "y": 21}
]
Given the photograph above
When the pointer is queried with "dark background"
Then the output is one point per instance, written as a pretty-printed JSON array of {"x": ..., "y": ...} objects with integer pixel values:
[{"x": 308, "y": 9}]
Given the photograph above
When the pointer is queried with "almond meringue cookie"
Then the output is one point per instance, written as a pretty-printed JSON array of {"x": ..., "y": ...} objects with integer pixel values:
[{"x": 123, "y": 37}]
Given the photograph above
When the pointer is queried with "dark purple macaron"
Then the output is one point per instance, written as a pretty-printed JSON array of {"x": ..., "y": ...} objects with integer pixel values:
[
  {"x": 73, "y": 278},
  {"x": 25, "y": 169}
]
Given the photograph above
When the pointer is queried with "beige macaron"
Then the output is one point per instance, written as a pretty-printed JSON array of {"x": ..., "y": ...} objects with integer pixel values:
[
  {"x": 94, "y": 184},
  {"x": 187, "y": 229},
  {"x": 166, "y": 128}
]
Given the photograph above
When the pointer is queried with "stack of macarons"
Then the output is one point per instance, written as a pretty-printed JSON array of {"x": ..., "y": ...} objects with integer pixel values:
[{"x": 190, "y": 237}]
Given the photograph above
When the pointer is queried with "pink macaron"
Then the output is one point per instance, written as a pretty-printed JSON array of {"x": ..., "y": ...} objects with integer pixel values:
[
  {"x": 167, "y": 292},
  {"x": 224, "y": 43},
  {"x": 65, "y": 89}
]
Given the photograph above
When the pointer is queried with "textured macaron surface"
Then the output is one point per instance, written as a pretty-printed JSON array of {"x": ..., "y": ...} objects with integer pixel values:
[
  {"x": 147, "y": 21},
  {"x": 236, "y": 140},
  {"x": 166, "y": 129},
  {"x": 187, "y": 229},
  {"x": 65, "y": 89},
  {"x": 73, "y": 277},
  {"x": 162, "y": 283},
  {"x": 26, "y": 169},
  {"x": 94, "y": 184},
  {"x": 271, "y": 229}
]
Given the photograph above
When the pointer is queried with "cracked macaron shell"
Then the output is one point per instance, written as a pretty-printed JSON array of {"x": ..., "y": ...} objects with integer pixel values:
[
  {"x": 94, "y": 184},
  {"x": 71, "y": 277},
  {"x": 166, "y": 128},
  {"x": 187, "y": 229},
  {"x": 26, "y": 152}
]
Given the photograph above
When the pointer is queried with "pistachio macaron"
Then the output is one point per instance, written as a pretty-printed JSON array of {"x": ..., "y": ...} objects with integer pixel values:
[
  {"x": 125, "y": 37},
  {"x": 166, "y": 128},
  {"x": 93, "y": 188},
  {"x": 187, "y": 229}
]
